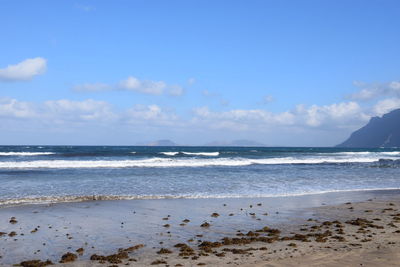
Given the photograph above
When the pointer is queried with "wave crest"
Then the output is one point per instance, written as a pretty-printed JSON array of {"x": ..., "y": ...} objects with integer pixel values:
[
  {"x": 169, "y": 153},
  {"x": 181, "y": 162},
  {"x": 209, "y": 154}
]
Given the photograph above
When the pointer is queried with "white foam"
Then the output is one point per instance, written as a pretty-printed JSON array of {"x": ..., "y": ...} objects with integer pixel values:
[
  {"x": 169, "y": 153},
  {"x": 25, "y": 153},
  {"x": 169, "y": 162},
  {"x": 391, "y": 153},
  {"x": 62, "y": 199},
  {"x": 209, "y": 154},
  {"x": 352, "y": 153}
]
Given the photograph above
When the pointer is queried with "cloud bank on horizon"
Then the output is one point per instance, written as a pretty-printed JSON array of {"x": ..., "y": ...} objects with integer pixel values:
[{"x": 146, "y": 90}]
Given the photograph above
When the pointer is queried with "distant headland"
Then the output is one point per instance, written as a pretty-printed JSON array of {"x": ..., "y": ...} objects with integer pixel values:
[{"x": 379, "y": 132}]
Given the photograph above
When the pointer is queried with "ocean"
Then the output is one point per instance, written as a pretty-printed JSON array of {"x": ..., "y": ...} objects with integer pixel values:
[{"x": 50, "y": 174}]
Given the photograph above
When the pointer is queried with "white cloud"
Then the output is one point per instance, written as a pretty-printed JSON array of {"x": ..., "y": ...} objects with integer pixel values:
[
  {"x": 150, "y": 112},
  {"x": 135, "y": 85},
  {"x": 24, "y": 70},
  {"x": 240, "y": 119},
  {"x": 12, "y": 108},
  {"x": 335, "y": 114},
  {"x": 57, "y": 111},
  {"x": 87, "y": 110},
  {"x": 386, "y": 105},
  {"x": 145, "y": 87},
  {"x": 371, "y": 91},
  {"x": 154, "y": 114},
  {"x": 71, "y": 113},
  {"x": 364, "y": 94},
  {"x": 327, "y": 122},
  {"x": 341, "y": 115}
]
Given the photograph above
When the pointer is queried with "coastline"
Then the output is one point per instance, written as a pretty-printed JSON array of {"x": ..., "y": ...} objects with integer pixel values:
[
  {"x": 7, "y": 203},
  {"x": 102, "y": 227}
]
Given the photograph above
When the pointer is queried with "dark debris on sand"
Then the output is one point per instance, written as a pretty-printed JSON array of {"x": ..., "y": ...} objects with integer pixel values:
[
  {"x": 68, "y": 257},
  {"x": 117, "y": 257},
  {"x": 35, "y": 263},
  {"x": 326, "y": 233}
]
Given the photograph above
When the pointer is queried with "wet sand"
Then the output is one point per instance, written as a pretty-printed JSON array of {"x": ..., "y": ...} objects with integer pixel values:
[{"x": 311, "y": 230}]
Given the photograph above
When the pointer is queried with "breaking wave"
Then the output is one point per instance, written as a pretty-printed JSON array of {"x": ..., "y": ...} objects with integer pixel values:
[
  {"x": 169, "y": 153},
  {"x": 182, "y": 162},
  {"x": 209, "y": 154}
]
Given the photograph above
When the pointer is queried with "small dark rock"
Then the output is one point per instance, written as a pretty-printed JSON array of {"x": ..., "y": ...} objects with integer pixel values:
[
  {"x": 206, "y": 224},
  {"x": 68, "y": 257}
]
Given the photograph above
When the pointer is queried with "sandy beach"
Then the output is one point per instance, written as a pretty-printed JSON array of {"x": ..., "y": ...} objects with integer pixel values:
[{"x": 332, "y": 229}]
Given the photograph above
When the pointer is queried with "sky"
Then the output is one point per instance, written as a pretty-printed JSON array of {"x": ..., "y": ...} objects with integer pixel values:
[{"x": 283, "y": 73}]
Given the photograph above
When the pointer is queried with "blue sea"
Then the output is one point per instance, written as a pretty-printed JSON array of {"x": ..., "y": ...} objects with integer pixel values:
[{"x": 49, "y": 174}]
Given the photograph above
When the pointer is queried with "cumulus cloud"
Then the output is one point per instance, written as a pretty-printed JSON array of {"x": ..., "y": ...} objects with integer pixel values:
[
  {"x": 67, "y": 112},
  {"x": 346, "y": 114},
  {"x": 12, "y": 108},
  {"x": 386, "y": 105},
  {"x": 370, "y": 91},
  {"x": 340, "y": 114},
  {"x": 24, "y": 70},
  {"x": 239, "y": 119},
  {"x": 151, "y": 114},
  {"x": 56, "y": 110},
  {"x": 336, "y": 120},
  {"x": 145, "y": 87},
  {"x": 87, "y": 110},
  {"x": 135, "y": 85}
]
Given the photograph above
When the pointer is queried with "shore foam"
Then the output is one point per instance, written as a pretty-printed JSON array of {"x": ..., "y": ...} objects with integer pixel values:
[{"x": 71, "y": 199}]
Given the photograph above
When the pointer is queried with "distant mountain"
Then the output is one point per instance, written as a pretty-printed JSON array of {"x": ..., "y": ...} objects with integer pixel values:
[
  {"x": 164, "y": 142},
  {"x": 242, "y": 142},
  {"x": 379, "y": 132}
]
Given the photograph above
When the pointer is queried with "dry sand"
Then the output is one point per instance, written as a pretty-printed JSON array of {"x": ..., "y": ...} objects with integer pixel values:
[{"x": 364, "y": 233}]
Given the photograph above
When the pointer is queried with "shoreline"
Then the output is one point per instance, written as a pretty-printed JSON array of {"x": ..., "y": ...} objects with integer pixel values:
[
  {"x": 45, "y": 200},
  {"x": 102, "y": 227}
]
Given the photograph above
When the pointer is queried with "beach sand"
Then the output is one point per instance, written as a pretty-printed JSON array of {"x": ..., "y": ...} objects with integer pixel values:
[{"x": 332, "y": 229}]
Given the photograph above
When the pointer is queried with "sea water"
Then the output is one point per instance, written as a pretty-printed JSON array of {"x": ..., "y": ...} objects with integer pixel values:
[{"x": 42, "y": 174}]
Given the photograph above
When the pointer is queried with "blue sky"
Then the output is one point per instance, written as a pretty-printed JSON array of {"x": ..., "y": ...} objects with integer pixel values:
[{"x": 304, "y": 73}]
